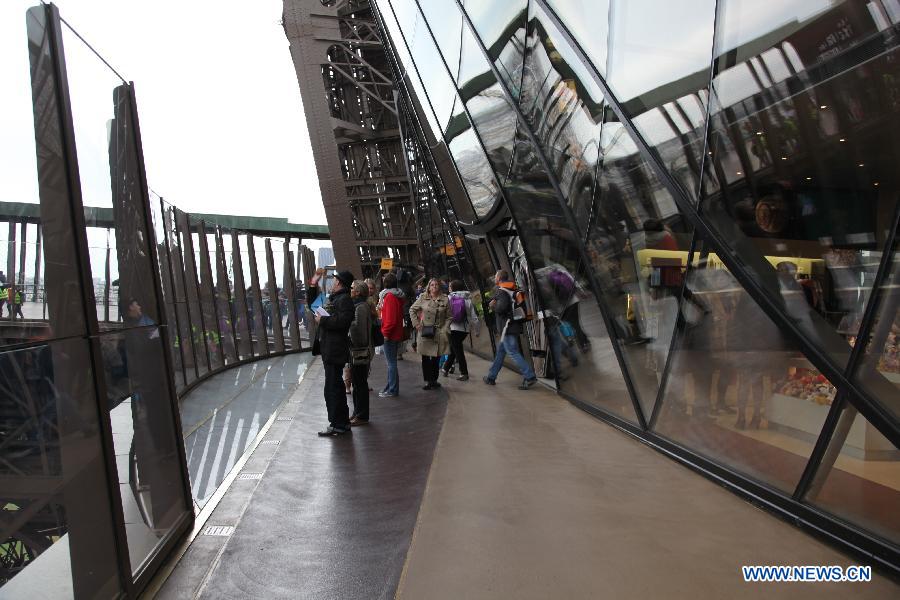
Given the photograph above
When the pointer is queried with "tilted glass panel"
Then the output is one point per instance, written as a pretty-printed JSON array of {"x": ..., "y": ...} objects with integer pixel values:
[
  {"x": 564, "y": 108},
  {"x": 146, "y": 447},
  {"x": 190, "y": 351},
  {"x": 438, "y": 85},
  {"x": 474, "y": 170},
  {"x": 111, "y": 184},
  {"x": 207, "y": 300},
  {"x": 810, "y": 159},
  {"x": 659, "y": 60},
  {"x": 164, "y": 271},
  {"x": 258, "y": 298},
  {"x": 578, "y": 342},
  {"x": 880, "y": 368},
  {"x": 739, "y": 391},
  {"x": 224, "y": 291},
  {"x": 494, "y": 119},
  {"x": 588, "y": 22},
  {"x": 403, "y": 36},
  {"x": 446, "y": 22},
  {"x": 637, "y": 243},
  {"x": 501, "y": 26},
  {"x": 55, "y": 508},
  {"x": 859, "y": 477}
]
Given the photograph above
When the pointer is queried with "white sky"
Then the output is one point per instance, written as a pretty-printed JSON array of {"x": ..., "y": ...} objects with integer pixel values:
[{"x": 221, "y": 115}]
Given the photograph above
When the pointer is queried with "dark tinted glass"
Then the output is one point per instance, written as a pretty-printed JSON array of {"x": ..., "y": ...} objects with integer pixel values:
[
  {"x": 803, "y": 119},
  {"x": 54, "y": 477},
  {"x": 739, "y": 391}
]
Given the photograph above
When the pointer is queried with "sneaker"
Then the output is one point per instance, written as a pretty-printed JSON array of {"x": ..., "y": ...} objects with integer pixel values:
[
  {"x": 445, "y": 373},
  {"x": 462, "y": 378},
  {"x": 527, "y": 383},
  {"x": 387, "y": 395},
  {"x": 488, "y": 380},
  {"x": 334, "y": 432}
]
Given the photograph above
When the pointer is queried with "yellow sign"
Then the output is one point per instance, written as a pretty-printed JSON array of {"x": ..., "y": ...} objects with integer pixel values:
[{"x": 387, "y": 264}]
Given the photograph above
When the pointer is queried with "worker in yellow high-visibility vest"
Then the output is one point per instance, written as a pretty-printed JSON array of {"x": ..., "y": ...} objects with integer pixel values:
[{"x": 4, "y": 296}]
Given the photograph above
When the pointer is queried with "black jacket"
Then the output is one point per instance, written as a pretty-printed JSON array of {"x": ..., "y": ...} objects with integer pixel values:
[{"x": 333, "y": 342}]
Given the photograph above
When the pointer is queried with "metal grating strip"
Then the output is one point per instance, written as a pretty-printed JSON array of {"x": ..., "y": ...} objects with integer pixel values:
[
  {"x": 271, "y": 442},
  {"x": 285, "y": 419},
  {"x": 221, "y": 530},
  {"x": 246, "y": 476}
]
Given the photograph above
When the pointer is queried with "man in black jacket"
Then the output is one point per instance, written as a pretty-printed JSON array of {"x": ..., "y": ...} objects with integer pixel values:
[{"x": 335, "y": 350}]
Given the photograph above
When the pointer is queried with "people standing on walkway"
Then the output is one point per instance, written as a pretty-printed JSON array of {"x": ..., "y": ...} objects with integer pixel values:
[
  {"x": 361, "y": 352},
  {"x": 510, "y": 315},
  {"x": 431, "y": 315},
  {"x": 334, "y": 346},
  {"x": 390, "y": 306},
  {"x": 463, "y": 319}
]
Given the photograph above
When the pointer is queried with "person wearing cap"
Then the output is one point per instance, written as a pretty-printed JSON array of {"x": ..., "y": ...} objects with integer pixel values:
[{"x": 334, "y": 347}]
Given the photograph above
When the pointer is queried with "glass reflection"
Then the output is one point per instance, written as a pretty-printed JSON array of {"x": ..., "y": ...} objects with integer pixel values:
[
  {"x": 738, "y": 390},
  {"x": 489, "y": 110},
  {"x": 53, "y": 468},
  {"x": 140, "y": 410},
  {"x": 803, "y": 134},
  {"x": 475, "y": 171},
  {"x": 564, "y": 108},
  {"x": 564, "y": 300},
  {"x": 501, "y": 26},
  {"x": 591, "y": 34},
  {"x": 859, "y": 478},
  {"x": 880, "y": 368},
  {"x": 445, "y": 21}
]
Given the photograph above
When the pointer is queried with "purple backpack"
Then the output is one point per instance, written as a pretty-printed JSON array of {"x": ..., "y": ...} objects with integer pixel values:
[
  {"x": 458, "y": 309},
  {"x": 563, "y": 283}
]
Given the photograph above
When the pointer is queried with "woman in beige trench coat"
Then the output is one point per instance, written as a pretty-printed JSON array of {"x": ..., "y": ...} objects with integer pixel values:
[{"x": 432, "y": 310}]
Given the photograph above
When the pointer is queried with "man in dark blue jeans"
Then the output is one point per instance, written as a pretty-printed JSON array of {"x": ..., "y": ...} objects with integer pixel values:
[
  {"x": 509, "y": 330},
  {"x": 334, "y": 347}
]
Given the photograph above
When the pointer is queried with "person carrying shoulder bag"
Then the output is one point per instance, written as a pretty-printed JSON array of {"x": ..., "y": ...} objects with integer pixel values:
[
  {"x": 361, "y": 351},
  {"x": 431, "y": 315}
]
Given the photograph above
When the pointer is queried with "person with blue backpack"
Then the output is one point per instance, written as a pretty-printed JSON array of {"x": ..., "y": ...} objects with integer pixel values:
[{"x": 463, "y": 319}]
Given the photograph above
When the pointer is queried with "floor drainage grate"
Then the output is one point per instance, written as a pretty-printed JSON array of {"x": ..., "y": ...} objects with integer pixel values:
[
  {"x": 285, "y": 419},
  {"x": 246, "y": 476},
  {"x": 222, "y": 530},
  {"x": 271, "y": 442}
]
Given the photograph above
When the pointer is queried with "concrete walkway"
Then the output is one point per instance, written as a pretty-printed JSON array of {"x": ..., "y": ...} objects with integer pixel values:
[{"x": 526, "y": 497}]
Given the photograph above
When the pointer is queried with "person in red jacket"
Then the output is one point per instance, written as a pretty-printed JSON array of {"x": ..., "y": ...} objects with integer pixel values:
[{"x": 390, "y": 305}]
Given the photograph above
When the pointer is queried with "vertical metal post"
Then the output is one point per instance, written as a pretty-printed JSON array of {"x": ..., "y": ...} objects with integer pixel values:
[
  {"x": 290, "y": 290},
  {"x": 242, "y": 316},
  {"x": 11, "y": 271},
  {"x": 273, "y": 299},
  {"x": 37, "y": 264},
  {"x": 106, "y": 281},
  {"x": 258, "y": 323}
]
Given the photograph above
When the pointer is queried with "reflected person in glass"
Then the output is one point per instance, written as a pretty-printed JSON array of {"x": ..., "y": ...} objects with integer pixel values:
[{"x": 506, "y": 301}]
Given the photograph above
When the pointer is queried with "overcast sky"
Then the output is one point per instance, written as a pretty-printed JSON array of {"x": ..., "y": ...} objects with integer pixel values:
[{"x": 221, "y": 115}]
